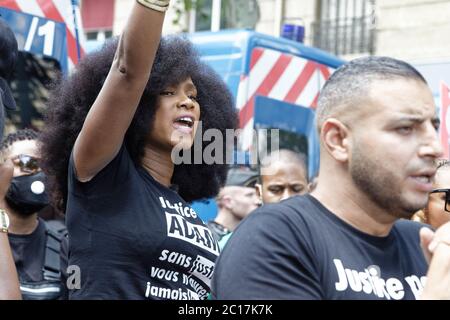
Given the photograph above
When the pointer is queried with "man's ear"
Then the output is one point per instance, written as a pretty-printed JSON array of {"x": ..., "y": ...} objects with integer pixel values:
[
  {"x": 312, "y": 185},
  {"x": 226, "y": 202},
  {"x": 335, "y": 139},
  {"x": 258, "y": 188}
]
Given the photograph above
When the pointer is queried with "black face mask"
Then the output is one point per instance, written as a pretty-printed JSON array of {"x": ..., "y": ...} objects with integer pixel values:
[{"x": 28, "y": 194}]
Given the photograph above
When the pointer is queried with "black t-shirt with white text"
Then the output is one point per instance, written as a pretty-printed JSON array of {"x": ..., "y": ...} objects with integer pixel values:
[
  {"x": 133, "y": 238},
  {"x": 297, "y": 249}
]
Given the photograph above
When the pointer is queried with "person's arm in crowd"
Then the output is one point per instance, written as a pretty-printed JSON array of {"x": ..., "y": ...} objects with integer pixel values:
[
  {"x": 436, "y": 247},
  {"x": 113, "y": 110},
  {"x": 9, "y": 281}
]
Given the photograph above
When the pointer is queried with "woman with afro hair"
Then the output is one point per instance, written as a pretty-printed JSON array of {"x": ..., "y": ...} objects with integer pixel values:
[{"x": 111, "y": 129}]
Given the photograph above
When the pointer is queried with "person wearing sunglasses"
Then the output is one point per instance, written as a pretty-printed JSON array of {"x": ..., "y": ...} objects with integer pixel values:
[
  {"x": 9, "y": 286},
  {"x": 35, "y": 244},
  {"x": 437, "y": 211}
]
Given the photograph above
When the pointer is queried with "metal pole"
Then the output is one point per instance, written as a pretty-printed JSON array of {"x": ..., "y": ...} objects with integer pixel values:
[
  {"x": 192, "y": 20},
  {"x": 279, "y": 15},
  {"x": 74, "y": 13},
  {"x": 215, "y": 15}
]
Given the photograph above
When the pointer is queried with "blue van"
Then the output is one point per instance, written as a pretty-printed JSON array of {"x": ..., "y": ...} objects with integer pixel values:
[{"x": 275, "y": 83}]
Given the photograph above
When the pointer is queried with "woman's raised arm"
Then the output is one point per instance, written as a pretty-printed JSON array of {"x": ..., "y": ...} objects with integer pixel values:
[{"x": 112, "y": 112}]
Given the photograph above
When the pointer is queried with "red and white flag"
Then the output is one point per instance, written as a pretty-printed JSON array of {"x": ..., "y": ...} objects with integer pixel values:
[
  {"x": 445, "y": 103},
  {"x": 58, "y": 10}
]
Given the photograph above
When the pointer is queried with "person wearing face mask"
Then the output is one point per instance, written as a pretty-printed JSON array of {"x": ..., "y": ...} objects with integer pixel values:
[
  {"x": 9, "y": 284},
  {"x": 35, "y": 244}
]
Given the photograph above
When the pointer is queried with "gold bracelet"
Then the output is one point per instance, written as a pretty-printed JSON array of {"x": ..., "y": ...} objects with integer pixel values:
[
  {"x": 158, "y": 5},
  {"x": 4, "y": 221}
]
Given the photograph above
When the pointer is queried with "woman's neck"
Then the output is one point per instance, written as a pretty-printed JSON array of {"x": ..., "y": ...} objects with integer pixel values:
[{"x": 158, "y": 164}]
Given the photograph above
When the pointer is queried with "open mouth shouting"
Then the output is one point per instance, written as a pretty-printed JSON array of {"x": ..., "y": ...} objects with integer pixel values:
[
  {"x": 424, "y": 180},
  {"x": 184, "y": 124}
]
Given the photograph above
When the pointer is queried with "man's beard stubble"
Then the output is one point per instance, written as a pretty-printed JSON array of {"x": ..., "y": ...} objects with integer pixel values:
[{"x": 380, "y": 185}]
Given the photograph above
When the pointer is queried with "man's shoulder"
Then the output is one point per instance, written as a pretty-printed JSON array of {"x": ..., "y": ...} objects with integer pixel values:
[
  {"x": 408, "y": 229},
  {"x": 270, "y": 226},
  {"x": 300, "y": 205},
  {"x": 298, "y": 210},
  {"x": 409, "y": 225}
]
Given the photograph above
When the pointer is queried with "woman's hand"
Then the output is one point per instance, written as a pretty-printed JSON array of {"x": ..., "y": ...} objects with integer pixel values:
[
  {"x": 436, "y": 246},
  {"x": 9, "y": 282},
  {"x": 6, "y": 174}
]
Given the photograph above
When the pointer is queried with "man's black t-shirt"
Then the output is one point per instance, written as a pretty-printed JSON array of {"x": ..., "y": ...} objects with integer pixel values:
[
  {"x": 297, "y": 249},
  {"x": 29, "y": 253},
  {"x": 133, "y": 238}
]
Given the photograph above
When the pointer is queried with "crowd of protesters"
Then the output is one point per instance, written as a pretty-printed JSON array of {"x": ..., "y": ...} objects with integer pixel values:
[
  {"x": 105, "y": 160},
  {"x": 351, "y": 238}
]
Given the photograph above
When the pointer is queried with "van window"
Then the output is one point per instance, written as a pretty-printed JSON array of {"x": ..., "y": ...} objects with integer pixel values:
[
  {"x": 287, "y": 140},
  {"x": 30, "y": 86}
]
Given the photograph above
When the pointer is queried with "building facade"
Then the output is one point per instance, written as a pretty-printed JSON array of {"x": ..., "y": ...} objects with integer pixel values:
[{"x": 406, "y": 29}]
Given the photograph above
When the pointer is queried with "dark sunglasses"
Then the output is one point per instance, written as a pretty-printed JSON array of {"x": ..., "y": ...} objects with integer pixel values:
[
  {"x": 26, "y": 163},
  {"x": 447, "y": 197}
]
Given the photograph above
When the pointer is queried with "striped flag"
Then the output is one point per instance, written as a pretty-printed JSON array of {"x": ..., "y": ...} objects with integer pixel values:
[{"x": 279, "y": 76}]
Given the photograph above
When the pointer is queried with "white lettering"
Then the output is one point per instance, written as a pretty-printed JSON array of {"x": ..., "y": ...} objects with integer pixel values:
[
  {"x": 189, "y": 310},
  {"x": 370, "y": 282},
  {"x": 186, "y": 211},
  {"x": 395, "y": 288},
  {"x": 341, "y": 285},
  {"x": 175, "y": 258},
  {"x": 168, "y": 275},
  {"x": 367, "y": 285},
  {"x": 353, "y": 280},
  {"x": 203, "y": 269},
  {"x": 198, "y": 235},
  {"x": 173, "y": 294},
  {"x": 415, "y": 284}
]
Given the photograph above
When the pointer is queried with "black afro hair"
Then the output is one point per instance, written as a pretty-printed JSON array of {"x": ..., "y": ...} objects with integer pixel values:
[{"x": 175, "y": 61}]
